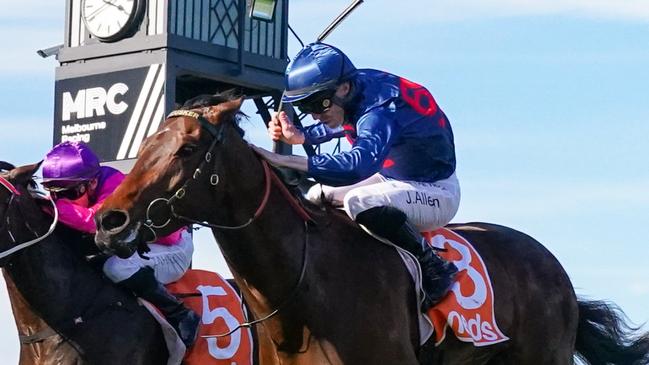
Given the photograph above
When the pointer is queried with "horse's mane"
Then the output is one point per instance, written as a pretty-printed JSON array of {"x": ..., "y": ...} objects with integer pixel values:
[
  {"x": 323, "y": 213},
  {"x": 207, "y": 100}
]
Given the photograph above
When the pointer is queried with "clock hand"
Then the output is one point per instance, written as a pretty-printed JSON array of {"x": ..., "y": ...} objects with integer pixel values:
[
  {"x": 119, "y": 7},
  {"x": 91, "y": 16}
]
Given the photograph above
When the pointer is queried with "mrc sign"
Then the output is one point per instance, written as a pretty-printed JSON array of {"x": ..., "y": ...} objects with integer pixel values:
[{"x": 112, "y": 112}]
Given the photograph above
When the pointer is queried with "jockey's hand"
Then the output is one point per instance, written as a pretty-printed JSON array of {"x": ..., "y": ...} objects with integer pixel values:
[{"x": 280, "y": 128}]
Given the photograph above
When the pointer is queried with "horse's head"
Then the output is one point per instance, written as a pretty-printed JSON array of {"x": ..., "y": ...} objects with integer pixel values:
[
  {"x": 177, "y": 160},
  {"x": 19, "y": 213}
]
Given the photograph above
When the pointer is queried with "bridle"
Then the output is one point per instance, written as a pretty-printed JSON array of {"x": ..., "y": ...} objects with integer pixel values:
[
  {"x": 14, "y": 194},
  {"x": 269, "y": 177},
  {"x": 217, "y": 135}
]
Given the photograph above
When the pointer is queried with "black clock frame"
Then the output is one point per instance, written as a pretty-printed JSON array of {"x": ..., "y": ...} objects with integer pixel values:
[{"x": 129, "y": 29}]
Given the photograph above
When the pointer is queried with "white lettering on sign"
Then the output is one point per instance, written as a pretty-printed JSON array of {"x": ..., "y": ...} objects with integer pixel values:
[
  {"x": 210, "y": 315},
  {"x": 477, "y": 329},
  {"x": 94, "y": 102},
  {"x": 79, "y": 132},
  {"x": 79, "y": 137},
  {"x": 88, "y": 127}
]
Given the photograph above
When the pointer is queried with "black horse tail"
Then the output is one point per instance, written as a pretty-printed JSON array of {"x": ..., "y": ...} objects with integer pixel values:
[{"x": 604, "y": 337}]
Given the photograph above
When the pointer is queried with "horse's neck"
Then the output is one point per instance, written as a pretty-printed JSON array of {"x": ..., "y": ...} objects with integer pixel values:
[
  {"x": 53, "y": 281},
  {"x": 273, "y": 243},
  {"x": 50, "y": 345},
  {"x": 27, "y": 321}
]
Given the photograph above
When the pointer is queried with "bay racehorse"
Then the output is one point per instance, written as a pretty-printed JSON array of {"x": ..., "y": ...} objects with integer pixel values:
[
  {"x": 323, "y": 290},
  {"x": 74, "y": 316}
]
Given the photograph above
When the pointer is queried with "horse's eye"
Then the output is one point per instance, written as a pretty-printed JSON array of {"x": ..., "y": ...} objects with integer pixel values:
[{"x": 186, "y": 150}]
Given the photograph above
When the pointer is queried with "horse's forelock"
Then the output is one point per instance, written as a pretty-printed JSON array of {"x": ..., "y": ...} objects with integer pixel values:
[{"x": 207, "y": 100}]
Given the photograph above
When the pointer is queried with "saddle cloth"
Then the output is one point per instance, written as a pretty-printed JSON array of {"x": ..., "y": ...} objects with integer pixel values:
[
  {"x": 468, "y": 309},
  {"x": 221, "y": 310}
]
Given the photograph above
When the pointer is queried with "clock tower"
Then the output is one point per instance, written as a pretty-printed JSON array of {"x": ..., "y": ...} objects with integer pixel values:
[{"x": 125, "y": 64}]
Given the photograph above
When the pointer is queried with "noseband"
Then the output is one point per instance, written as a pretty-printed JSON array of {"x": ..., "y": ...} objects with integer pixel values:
[{"x": 14, "y": 194}]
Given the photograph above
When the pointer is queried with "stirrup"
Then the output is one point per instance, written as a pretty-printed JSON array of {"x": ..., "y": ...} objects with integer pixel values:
[
  {"x": 435, "y": 289},
  {"x": 187, "y": 327}
]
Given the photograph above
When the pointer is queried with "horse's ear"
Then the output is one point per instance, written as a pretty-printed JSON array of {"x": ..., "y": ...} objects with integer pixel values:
[
  {"x": 6, "y": 166},
  {"x": 225, "y": 111},
  {"x": 24, "y": 174}
]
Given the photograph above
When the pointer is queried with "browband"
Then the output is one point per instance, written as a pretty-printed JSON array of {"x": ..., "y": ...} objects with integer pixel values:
[{"x": 201, "y": 119}]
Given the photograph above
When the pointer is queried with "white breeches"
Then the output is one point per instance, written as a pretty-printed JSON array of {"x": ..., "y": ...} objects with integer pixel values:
[
  {"x": 427, "y": 205},
  {"x": 169, "y": 263}
]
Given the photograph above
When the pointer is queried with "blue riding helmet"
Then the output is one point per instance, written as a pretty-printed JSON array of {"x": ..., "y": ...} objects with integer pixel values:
[{"x": 317, "y": 67}]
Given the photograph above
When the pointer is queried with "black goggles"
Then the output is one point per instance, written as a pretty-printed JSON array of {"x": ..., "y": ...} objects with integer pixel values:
[
  {"x": 317, "y": 103},
  {"x": 72, "y": 193}
]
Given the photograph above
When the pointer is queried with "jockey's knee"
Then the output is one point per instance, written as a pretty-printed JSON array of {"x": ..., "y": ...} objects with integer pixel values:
[
  {"x": 359, "y": 200},
  {"x": 352, "y": 204},
  {"x": 118, "y": 270},
  {"x": 315, "y": 194}
]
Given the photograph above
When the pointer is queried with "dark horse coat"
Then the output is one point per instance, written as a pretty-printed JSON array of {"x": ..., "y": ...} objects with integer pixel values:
[{"x": 95, "y": 322}]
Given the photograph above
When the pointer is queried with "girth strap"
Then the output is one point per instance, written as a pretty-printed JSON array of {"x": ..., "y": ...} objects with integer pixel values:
[{"x": 39, "y": 336}]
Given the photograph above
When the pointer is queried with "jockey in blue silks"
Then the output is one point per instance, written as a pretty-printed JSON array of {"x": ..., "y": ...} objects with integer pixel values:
[{"x": 398, "y": 178}]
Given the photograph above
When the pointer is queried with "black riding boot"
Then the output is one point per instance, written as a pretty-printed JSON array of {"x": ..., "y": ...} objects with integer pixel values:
[
  {"x": 391, "y": 223},
  {"x": 184, "y": 320}
]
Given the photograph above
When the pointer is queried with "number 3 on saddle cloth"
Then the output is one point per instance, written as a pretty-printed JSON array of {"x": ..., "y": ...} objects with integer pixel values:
[
  {"x": 221, "y": 311},
  {"x": 468, "y": 309}
]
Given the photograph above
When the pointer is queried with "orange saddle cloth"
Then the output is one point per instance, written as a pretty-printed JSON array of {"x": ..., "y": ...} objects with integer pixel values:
[
  {"x": 221, "y": 311},
  {"x": 469, "y": 308}
]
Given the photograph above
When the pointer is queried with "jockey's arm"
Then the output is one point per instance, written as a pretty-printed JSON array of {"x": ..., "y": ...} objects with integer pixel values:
[
  {"x": 319, "y": 133},
  {"x": 375, "y": 134},
  {"x": 76, "y": 216}
]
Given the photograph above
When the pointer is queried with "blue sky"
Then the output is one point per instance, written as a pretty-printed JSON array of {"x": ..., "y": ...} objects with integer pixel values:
[{"x": 549, "y": 102}]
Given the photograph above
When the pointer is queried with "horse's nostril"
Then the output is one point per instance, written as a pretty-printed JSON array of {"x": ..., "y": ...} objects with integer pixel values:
[{"x": 113, "y": 220}]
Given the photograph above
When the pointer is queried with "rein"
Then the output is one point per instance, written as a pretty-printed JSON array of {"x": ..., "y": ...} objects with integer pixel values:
[
  {"x": 270, "y": 179},
  {"x": 12, "y": 189},
  {"x": 14, "y": 192},
  {"x": 286, "y": 301},
  {"x": 257, "y": 213}
]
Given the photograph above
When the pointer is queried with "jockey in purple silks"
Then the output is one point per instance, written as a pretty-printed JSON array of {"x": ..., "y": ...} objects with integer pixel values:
[
  {"x": 79, "y": 185},
  {"x": 398, "y": 178}
]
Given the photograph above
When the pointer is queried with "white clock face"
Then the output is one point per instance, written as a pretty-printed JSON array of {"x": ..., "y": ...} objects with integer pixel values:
[{"x": 105, "y": 18}]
